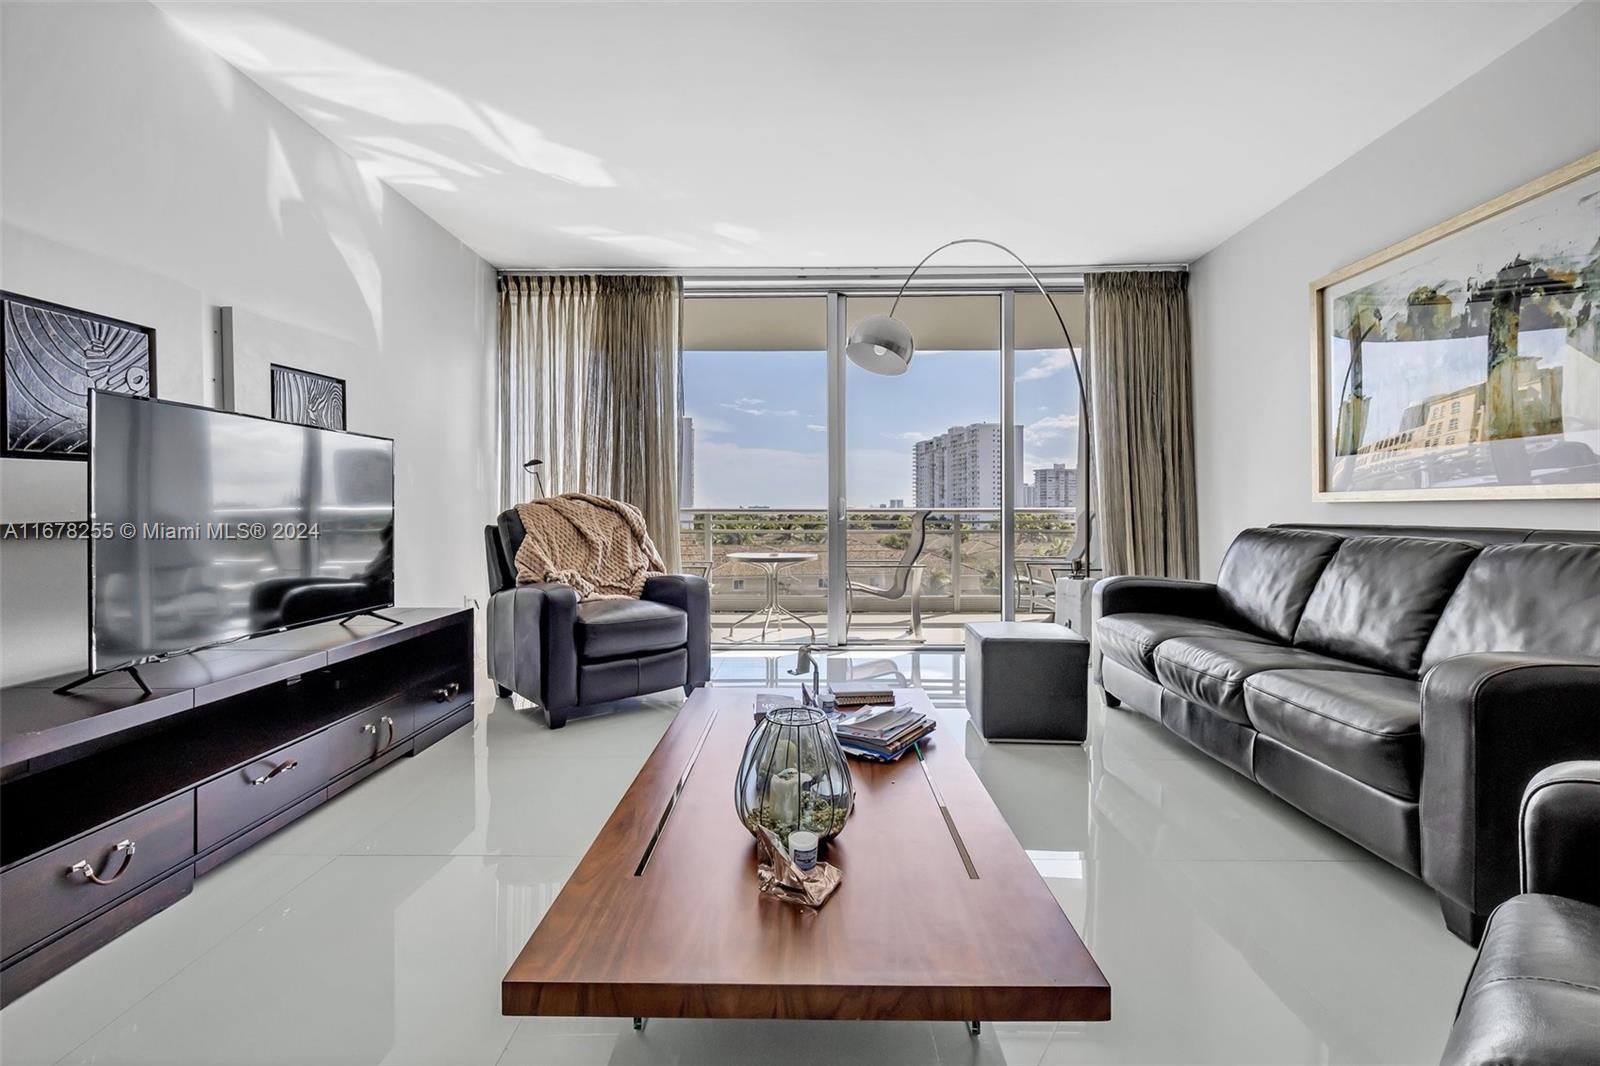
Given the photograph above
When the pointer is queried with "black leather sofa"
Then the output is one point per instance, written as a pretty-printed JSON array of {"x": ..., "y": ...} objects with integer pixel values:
[
  {"x": 1533, "y": 998},
  {"x": 1399, "y": 684},
  {"x": 547, "y": 646}
]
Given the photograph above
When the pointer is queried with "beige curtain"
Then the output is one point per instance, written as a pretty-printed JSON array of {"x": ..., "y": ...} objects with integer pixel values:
[
  {"x": 589, "y": 384},
  {"x": 1144, "y": 422}
]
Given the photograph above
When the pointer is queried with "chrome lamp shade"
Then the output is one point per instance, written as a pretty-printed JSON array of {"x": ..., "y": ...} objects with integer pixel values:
[{"x": 881, "y": 344}]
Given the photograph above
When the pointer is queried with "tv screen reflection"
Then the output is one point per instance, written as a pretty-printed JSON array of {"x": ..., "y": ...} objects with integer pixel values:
[{"x": 210, "y": 526}]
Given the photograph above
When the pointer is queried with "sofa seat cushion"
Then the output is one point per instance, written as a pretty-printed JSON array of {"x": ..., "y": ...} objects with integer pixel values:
[
  {"x": 1534, "y": 993},
  {"x": 1131, "y": 639},
  {"x": 1367, "y": 726},
  {"x": 1211, "y": 671},
  {"x": 610, "y": 628}
]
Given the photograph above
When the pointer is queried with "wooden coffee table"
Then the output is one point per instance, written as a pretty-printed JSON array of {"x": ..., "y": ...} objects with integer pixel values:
[{"x": 941, "y": 915}]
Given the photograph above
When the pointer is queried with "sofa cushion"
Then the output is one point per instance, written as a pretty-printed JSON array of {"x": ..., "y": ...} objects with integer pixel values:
[
  {"x": 1367, "y": 726},
  {"x": 1212, "y": 670},
  {"x": 1268, "y": 574},
  {"x": 1131, "y": 639},
  {"x": 1538, "y": 598},
  {"x": 1534, "y": 993},
  {"x": 610, "y": 628},
  {"x": 1379, "y": 598}
]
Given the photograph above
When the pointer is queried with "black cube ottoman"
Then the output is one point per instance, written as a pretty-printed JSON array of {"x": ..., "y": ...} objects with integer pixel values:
[{"x": 1028, "y": 681}]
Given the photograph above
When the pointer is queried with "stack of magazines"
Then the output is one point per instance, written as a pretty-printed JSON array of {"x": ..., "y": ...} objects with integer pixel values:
[
  {"x": 882, "y": 733},
  {"x": 848, "y": 695}
]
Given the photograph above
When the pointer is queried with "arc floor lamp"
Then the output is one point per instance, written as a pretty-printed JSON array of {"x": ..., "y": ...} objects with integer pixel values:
[{"x": 884, "y": 345}]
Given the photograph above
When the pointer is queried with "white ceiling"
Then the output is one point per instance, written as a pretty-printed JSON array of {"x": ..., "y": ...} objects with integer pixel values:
[{"x": 808, "y": 134}]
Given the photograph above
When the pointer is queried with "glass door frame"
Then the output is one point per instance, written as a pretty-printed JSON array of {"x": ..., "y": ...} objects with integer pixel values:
[
  {"x": 838, "y": 486},
  {"x": 838, "y": 286}
]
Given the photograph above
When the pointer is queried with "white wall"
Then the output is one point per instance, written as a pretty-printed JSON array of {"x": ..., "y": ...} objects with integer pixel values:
[
  {"x": 1533, "y": 109},
  {"x": 145, "y": 179}
]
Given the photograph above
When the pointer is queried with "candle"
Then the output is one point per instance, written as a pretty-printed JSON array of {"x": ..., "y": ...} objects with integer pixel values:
[{"x": 803, "y": 849}]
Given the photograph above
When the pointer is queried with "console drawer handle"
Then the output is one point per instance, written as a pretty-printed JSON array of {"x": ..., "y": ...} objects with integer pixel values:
[
  {"x": 281, "y": 768},
  {"x": 86, "y": 868},
  {"x": 372, "y": 727}
]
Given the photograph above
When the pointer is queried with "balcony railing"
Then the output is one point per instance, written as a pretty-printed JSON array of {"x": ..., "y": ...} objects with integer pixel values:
[{"x": 961, "y": 557}]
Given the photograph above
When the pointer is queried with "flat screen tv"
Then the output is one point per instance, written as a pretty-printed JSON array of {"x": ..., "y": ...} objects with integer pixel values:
[{"x": 209, "y": 526}]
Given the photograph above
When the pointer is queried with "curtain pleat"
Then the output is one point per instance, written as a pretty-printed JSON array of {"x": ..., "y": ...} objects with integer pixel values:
[
  {"x": 589, "y": 384},
  {"x": 1144, "y": 422}
]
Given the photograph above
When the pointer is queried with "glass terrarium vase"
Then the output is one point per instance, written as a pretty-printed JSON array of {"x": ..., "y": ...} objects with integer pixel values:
[{"x": 793, "y": 776}]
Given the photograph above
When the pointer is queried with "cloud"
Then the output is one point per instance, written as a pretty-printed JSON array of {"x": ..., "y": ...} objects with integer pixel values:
[
  {"x": 708, "y": 425},
  {"x": 1050, "y": 426},
  {"x": 813, "y": 427},
  {"x": 908, "y": 435},
  {"x": 1054, "y": 362},
  {"x": 728, "y": 475},
  {"x": 751, "y": 405}
]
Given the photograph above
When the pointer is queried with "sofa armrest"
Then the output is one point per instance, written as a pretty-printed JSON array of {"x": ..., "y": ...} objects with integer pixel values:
[
  {"x": 1560, "y": 832},
  {"x": 1161, "y": 595},
  {"x": 558, "y": 630},
  {"x": 516, "y": 640},
  {"x": 692, "y": 595},
  {"x": 500, "y": 578},
  {"x": 1490, "y": 722}
]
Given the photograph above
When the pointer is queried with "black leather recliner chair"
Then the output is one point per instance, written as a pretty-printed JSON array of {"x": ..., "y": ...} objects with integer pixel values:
[
  {"x": 547, "y": 646},
  {"x": 1533, "y": 997},
  {"x": 1399, "y": 684}
]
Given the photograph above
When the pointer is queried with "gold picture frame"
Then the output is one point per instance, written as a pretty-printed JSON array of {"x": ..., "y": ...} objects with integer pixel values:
[{"x": 1425, "y": 336}]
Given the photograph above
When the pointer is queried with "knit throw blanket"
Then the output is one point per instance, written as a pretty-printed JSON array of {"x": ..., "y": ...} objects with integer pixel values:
[{"x": 597, "y": 545}]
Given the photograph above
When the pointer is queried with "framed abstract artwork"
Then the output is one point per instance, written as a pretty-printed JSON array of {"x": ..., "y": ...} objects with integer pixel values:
[
  {"x": 307, "y": 398},
  {"x": 1462, "y": 363},
  {"x": 53, "y": 356}
]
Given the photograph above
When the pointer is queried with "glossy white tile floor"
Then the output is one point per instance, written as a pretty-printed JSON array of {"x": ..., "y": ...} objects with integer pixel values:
[{"x": 1233, "y": 929}]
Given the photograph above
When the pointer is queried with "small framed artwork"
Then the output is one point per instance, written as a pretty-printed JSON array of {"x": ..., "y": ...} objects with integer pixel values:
[
  {"x": 307, "y": 398},
  {"x": 1463, "y": 363},
  {"x": 53, "y": 356}
]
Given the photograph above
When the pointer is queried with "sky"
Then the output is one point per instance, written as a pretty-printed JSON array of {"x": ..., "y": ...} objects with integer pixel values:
[
  {"x": 760, "y": 421},
  {"x": 1397, "y": 374}
]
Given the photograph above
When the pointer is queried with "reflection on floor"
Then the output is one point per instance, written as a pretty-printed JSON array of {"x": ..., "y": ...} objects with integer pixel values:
[
  {"x": 1232, "y": 928},
  {"x": 867, "y": 628}
]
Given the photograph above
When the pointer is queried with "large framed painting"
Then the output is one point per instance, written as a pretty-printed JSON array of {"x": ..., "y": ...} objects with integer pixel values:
[
  {"x": 1462, "y": 363},
  {"x": 53, "y": 356},
  {"x": 306, "y": 397}
]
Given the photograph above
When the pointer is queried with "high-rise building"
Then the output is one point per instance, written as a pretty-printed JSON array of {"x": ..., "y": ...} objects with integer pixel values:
[
  {"x": 961, "y": 467},
  {"x": 1055, "y": 486},
  {"x": 685, "y": 461}
]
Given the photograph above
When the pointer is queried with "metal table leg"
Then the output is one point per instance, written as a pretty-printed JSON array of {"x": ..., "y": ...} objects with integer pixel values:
[{"x": 772, "y": 611}]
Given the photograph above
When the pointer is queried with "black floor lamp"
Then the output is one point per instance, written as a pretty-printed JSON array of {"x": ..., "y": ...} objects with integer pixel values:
[
  {"x": 884, "y": 345},
  {"x": 532, "y": 466}
]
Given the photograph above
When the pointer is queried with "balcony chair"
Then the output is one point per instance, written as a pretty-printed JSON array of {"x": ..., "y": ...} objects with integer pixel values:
[
  {"x": 1038, "y": 575},
  {"x": 1036, "y": 580},
  {"x": 564, "y": 654},
  {"x": 906, "y": 581}
]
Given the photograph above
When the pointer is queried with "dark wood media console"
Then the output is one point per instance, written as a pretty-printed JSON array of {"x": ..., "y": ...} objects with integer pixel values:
[{"x": 112, "y": 802}]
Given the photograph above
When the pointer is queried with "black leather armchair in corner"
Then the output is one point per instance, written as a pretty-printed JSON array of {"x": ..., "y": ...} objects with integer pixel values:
[
  {"x": 1533, "y": 998},
  {"x": 547, "y": 646}
]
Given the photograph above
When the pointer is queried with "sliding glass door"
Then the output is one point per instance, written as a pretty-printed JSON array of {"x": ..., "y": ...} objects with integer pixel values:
[
  {"x": 1048, "y": 414},
  {"x": 924, "y": 475},
  {"x": 753, "y": 464},
  {"x": 892, "y": 509}
]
